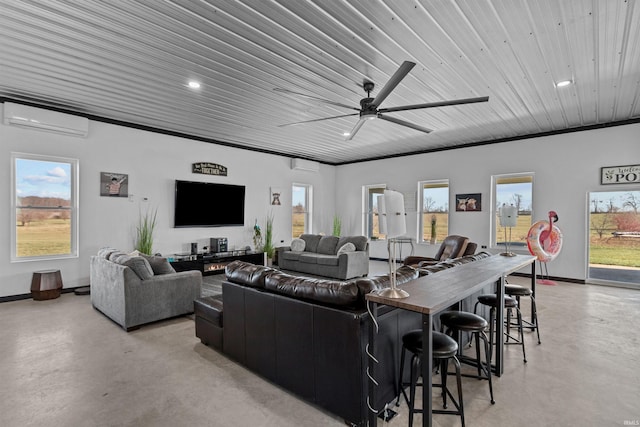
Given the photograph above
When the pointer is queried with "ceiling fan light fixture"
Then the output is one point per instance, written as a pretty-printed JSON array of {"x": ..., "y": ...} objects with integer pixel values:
[{"x": 563, "y": 83}]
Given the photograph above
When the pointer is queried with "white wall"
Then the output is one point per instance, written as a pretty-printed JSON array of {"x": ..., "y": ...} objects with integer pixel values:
[
  {"x": 153, "y": 162},
  {"x": 566, "y": 168}
]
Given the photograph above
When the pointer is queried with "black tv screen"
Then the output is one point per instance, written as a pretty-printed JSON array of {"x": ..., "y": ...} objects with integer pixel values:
[{"x": 205, "y": 204}]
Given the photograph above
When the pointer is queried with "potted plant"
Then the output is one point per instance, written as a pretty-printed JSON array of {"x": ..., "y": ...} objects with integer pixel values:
[
  {"x": 268, "y": 247},
  {"x": 337, "y": 226},
  {"x": 144, "y": 232}
]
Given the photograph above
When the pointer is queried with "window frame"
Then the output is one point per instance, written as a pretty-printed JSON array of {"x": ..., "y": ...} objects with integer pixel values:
[
  {"x": 308, "y": 212},
  {"x": 434, "y": 183},
  {"x": 73, "y": 207},
  {"x": 495, "y": 222},
  {"x": 368, "y": 211}
]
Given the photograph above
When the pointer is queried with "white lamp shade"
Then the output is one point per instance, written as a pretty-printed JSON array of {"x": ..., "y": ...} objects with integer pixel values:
[
  {"x": 394, "y": 212},
  {"x": 508, "y": 216},
  {"x": 382, "y": 217}
]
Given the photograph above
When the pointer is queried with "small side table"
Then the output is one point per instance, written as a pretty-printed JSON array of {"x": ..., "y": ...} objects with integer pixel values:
[{"x": 46, "y": 284}]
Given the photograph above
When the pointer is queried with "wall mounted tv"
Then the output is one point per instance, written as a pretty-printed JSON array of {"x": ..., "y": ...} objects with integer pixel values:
[{"x": 205, "y": 204}]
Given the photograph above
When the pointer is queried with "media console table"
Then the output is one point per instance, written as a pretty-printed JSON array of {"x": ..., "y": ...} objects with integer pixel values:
[
  {"x": 213, "y": 263},
  {"x": 432, "y": 294}
]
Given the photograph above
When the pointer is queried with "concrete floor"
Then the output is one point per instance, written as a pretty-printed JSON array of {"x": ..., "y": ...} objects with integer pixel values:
[{"x": 65, "y": 364}]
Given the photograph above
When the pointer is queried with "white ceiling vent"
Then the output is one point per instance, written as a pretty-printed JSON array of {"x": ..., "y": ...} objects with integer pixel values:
[
  {"x": 45, "y": 120},
  {"x": 305, "y": 165}
]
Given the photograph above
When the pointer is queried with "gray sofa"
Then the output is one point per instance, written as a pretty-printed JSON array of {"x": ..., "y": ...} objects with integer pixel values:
[
  {"x": 134, "y": 290},
  {"x": 328, "y": 256}
]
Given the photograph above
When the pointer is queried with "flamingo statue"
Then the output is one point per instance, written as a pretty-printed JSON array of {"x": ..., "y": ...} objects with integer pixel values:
[{"x": 545, "y": 241}]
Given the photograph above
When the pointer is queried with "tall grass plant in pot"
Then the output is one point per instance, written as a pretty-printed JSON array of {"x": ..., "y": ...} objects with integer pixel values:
[
  {"x": 144, "y": 231},
  {"x": 268, "y": 247}
]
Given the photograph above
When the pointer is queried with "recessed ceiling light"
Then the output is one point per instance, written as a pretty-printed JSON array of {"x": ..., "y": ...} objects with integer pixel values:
[
  {"x": 346, "y": 133},
  {"x": 194, "y": 85},
  {"x": 563, "y": 83}
]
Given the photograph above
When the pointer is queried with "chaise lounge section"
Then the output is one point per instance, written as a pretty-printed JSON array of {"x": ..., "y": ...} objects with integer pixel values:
[{"x": 310, "y": 335}]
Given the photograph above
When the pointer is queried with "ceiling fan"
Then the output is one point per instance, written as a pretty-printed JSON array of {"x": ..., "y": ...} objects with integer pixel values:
[{"x": 369, "y": 106}]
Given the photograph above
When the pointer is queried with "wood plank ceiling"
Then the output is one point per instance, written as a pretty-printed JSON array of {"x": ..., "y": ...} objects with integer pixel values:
[{"x": 130, "y": 61}]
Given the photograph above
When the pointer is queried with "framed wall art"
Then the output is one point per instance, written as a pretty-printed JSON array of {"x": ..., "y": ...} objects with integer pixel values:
[
  {"x": 114, "y": 184},
  {"x": 471, "y": 202}
]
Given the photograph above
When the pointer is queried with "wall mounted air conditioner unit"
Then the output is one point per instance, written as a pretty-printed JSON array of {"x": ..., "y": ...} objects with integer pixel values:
[
  {"x": 45, "y": 120},
  {"x": 305, "y": 165}
]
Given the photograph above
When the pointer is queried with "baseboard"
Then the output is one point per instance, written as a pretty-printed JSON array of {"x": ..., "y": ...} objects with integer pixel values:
[{"x": 29, "y": 296}]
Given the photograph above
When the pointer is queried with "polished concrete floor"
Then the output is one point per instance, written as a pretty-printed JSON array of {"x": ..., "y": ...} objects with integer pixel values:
[{"x": 65, "y": 364}]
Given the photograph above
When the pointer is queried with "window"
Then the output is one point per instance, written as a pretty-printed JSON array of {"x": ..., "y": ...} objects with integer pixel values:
[
  {"x": 301, "y": 210},
  {"x": 371, "y": 193},
  {"x": 44, "y": 207},
  {"x": 433, "y": 219},
  {"x": 517, "y": 190}
]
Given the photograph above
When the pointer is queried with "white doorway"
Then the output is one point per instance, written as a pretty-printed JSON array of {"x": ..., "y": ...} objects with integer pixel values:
[{"x": 614, "y": 238}]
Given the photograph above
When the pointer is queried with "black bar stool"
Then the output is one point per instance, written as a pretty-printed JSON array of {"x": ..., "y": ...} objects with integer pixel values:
[
  {"x": 518, "y": 291},
  {"x": 462, "y": 321},
  {"x": 443, "y": 348},
  {"x": 510, "y": 303}
]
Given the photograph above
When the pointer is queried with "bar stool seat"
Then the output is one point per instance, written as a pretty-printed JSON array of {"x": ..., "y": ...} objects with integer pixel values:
[
  {"x": 510, "y": 303},
  {"x": 518, "y": 291},
  {"x": 443, "y": 349},
  {"x": 462, "y": 321}
]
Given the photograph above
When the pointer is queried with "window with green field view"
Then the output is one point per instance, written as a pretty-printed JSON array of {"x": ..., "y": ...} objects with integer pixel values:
[
  {"x": 371, "y": 193},
  {"x": 301, "y": 209},
  {"x": 434, "y": 210},
  {"x": 516, "y": 190},
  {"x": 44, "y": 207},
  {"x": 614, "y": 228}
]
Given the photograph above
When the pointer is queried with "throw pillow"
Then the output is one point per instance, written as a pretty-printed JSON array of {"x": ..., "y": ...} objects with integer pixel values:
[
  {"x": 347, "y": 247},
  {"x": 159, "y": 265},
  {"x": 139, "y": 265},
  {"x": 106, "y": 252},
  {"x": 298, "y": 245}
]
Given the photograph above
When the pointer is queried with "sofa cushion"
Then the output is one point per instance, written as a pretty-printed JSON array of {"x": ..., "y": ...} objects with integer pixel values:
[
  {"x": 298, "y": 245},
  {"x": 332, "y": 292},
  {"x": 311, "y": 242},
  {"x": 159, "y": 265},
  {"x": 360, "y": 242},
  {"x": 309, "y": 258},
  {"x": 332, "y": 260},
  {"x": 291, "y": 256},
  {"x": 327, "y": 245},
  {"x": 347, "y": 247},
  {"x": 248, "y": 274}
]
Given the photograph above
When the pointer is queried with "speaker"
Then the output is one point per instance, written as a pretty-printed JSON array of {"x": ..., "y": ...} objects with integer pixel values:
[
  {"x": 219, "y": 244},
  {"x": 194, "y": 249}
]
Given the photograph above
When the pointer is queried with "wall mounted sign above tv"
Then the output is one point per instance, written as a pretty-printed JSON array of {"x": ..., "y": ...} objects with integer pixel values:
[
  {"x": 207, "y": 168},
  {"x": 206, "y": 204}
]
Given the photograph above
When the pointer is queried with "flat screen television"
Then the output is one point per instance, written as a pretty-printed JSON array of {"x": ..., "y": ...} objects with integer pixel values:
[{"x": 205, "y": 204}]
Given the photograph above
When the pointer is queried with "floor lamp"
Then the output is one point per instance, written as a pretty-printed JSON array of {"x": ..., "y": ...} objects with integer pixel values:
[
  {"x": 508, "y": 218},
  {"x": 392, "y": 223}
]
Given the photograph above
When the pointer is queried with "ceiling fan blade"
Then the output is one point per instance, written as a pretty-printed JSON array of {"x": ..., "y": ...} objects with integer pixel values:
[
  {"x": 393, "y": 82},
  {"x": 403, "y": 123},
  {"x": 355, "y": 129},
  {"x": 317, "y": 120},
  {"x": 435, "y": 104},
  {"x": 324, "y": 101}
]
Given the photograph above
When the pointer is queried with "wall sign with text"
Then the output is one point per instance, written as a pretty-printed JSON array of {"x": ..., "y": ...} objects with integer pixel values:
[
  {"x": 620, "y": 175},
  {"x": 207, "y": 168}
]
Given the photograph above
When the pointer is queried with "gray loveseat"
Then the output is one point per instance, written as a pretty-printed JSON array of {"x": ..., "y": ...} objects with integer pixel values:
[
  {"x": 134, "y": 290},
  {"x": 329, "y": 256}
]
